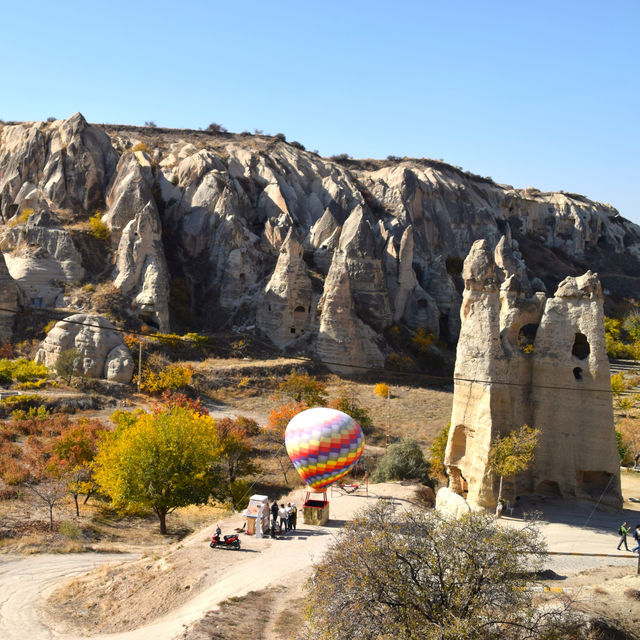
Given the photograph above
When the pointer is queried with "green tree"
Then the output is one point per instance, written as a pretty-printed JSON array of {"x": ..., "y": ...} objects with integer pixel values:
[
  {"x": 421, "y": 575},
  {"x": 161, "y": 460},
  {"x": 347, "y": 403},
  {"x": 513, "y": 453},
  {"x": 304, "y": 388},
  {"x": 437, "y": 451},
  {"x": 404, "y": 460},
  {"x": 67, "y": 363}
]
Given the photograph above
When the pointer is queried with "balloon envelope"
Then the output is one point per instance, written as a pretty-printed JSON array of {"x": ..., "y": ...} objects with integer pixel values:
[{"x": 323, "y": 445}]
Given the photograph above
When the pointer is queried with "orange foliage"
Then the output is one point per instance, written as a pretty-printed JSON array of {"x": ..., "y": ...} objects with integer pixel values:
[
  {"x": 279, "y": 418},
  {"x": 172, "y": 399}
]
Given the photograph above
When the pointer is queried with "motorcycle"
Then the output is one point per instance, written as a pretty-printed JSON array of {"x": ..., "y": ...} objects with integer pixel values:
[{"x": 228, "y": 542}]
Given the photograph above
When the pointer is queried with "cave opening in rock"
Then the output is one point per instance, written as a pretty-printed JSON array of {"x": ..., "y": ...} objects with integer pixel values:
[
  {"x": 581, "y": 348},
  {"x": 526, "y": 337},
  {"x": 577, "y": 373}
]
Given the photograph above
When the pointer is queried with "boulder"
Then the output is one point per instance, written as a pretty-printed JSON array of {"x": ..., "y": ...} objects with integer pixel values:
[
  {"x": 101, "y": 349},
  {"x": 451, "y": 503}
]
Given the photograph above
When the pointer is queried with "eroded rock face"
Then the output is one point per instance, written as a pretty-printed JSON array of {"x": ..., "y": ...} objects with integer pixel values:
[
  {"x": 525, "y": 359},
  {"x": 101, "y": 350},
  {"x": 215, "y": 211}
]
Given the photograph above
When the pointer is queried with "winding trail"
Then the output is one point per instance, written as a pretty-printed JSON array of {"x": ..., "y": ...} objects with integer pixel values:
[{"x": 25, "y": 582}]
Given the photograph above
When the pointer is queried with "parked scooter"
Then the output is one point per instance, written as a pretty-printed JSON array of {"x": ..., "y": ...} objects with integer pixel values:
[{"x": 228, "y": 542}]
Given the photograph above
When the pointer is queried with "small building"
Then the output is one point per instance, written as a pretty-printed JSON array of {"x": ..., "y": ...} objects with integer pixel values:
[{"x": 258, "y": 507}]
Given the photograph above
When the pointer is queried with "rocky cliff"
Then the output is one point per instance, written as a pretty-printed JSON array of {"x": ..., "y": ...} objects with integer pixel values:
[
  {"x": 523, "y": 358},
  {"x": 218, "y": 231}
]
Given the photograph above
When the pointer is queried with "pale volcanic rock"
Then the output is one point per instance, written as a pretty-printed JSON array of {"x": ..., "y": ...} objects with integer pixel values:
[
  {"x": 224, "y": 205},
  {"x": 531, "y": 360},
  {"x": 8, "y": 301},
  {"x": 70, "y": 161},
  {"x": 101, "y": 350},
  {"x": 141, "y": 271},
  {"x": 284, "y": 309},
  {"x": 343, "y": 339},
  {"x": 451, "y": 503}
]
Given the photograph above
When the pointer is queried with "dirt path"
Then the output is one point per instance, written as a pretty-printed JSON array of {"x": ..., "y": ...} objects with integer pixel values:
[
  {"x": 211, "y": 576},
  {"x": 25, "y": 581}
]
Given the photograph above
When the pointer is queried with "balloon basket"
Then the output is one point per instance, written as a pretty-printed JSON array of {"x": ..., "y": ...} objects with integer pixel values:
[{"x": 315, "y": 509}]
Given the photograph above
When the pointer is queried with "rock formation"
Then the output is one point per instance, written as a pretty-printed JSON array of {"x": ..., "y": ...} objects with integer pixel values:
[
  {"x": 101, "y": 350},
  {"x": 525, "y": 359},
  {"x": 212, "y": 212}
]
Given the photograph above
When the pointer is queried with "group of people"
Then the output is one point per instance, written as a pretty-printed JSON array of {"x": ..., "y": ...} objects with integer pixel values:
[
  {"x": 287, "y": 515},
  {"x": 623, "y": 531}
]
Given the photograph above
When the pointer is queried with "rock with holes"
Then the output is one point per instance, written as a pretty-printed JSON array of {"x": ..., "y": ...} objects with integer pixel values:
[
  {"x": 526, "y": 359},
  {"x": 101, "y": 350}
]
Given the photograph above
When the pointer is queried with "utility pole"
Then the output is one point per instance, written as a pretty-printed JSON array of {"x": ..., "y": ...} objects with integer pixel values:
[
  {"x": 388, "y": 439},
  {"x": 139, "y": 363}
]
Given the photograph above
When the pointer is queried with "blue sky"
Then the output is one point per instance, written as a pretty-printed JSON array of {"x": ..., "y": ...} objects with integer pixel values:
[{"x": 543, "y": 94}]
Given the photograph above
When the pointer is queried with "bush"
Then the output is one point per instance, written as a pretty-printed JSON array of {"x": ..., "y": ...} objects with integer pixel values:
[
  {"x": 24, "y": 402},
  {"x": 414, "y": 573},
  {"x": 69, "y": 530},
  {"x": 304, "y": 388},
  {"x": 98, "y": 228},
  {"x": 437, "y": 451},
  {"x": 454, "y": 265},
  {"x": 618, "y": 384},
  {"x": 173, "y": 378},
  {"x": 400, "y": 362},
  {"x": 382, "y": 390},
  {"x": 349, "y": 405},
  {"x": 403, "y": 461},
  {"x": 21, "y": 370},
  {"x": 214, "y": 127}
]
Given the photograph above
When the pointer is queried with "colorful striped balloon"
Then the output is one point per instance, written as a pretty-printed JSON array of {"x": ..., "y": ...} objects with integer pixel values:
[{"x": 323, "y": 445}]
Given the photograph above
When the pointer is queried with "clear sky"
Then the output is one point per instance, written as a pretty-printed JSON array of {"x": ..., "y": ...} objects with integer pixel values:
[{"x": 543, "y": 94}]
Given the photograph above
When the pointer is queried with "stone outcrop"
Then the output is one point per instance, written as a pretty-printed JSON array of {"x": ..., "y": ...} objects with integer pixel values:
[
  {"x": 101, "y": 350},
  {"x": 214, "y": 211},
  {"x": 284, "y": 310},
  {"x": 525, "y": 359},
  {"x": 8, "y": 302}
]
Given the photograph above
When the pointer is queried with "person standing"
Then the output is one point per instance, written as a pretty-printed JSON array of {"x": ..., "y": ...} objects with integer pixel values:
[
  {"x": 274, "y": 515},
  {"x": 293, "y": 517},
  {"x": 288, "y": 508},
  {"x": 623, "y": 531},
  {"x": 282, "y": 513},
  {"x": 636, "y": 537}
]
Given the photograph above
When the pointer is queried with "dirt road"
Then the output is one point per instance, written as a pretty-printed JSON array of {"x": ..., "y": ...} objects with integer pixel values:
[{"x": 26, "y": 582}]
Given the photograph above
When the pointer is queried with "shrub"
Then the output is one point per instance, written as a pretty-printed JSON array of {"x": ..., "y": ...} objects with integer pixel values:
[
  {"x": 49, "y": 326},
  {"x": 172, "y": 378},
  {"x": 21, "y": 370},
  {"x": 25, "y": 402},
  {"x": 23, "y": 216},
  {"x": 346, "y": 403},
  {"x": 400, "y": 362},
  {"x": 298, "y": 145},
  {"x": 98, "y": 228},
  {"x": 618, "y": 384},
  {"x": 382, "y": 390},
  {"x": 66, "y": 364},
  {"x": 403, "y": 461},
  {"x": 141, "y": 146},
  {"x": 214, "y": 127},
  {"x": 422, "y": 339},
  {"x": 437, "y": 450},
  {"x": 304, "y": 388},
  {"x": 69, "y": 530},
  {"x": 454, "y": 265}
]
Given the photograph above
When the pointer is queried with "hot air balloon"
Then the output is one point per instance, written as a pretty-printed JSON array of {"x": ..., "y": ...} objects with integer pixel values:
[{"x": 323, "y": 444}]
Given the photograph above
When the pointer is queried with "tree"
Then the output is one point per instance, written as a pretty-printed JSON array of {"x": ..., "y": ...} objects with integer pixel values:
[
  {"x": 278, "y": 420},
  {"x": 66, "y": 364},
  {"x": 625, "y": 404},
  {"x": 235, "y": 455},
  {"x": 382, "y": 390},
  {"x": 304, "y": 388},
  {"x": 422, "y": 575},
  {"x": 437, "y": 451},
  {"x": 73, "y": 453},
  {"x": 404, "y": 460},
  {"x": 347, "y": 403},
  {"x": 160, "y": 461},
  {"x": 629, "y": 428},
  {"x": 513, "y": 453}
]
